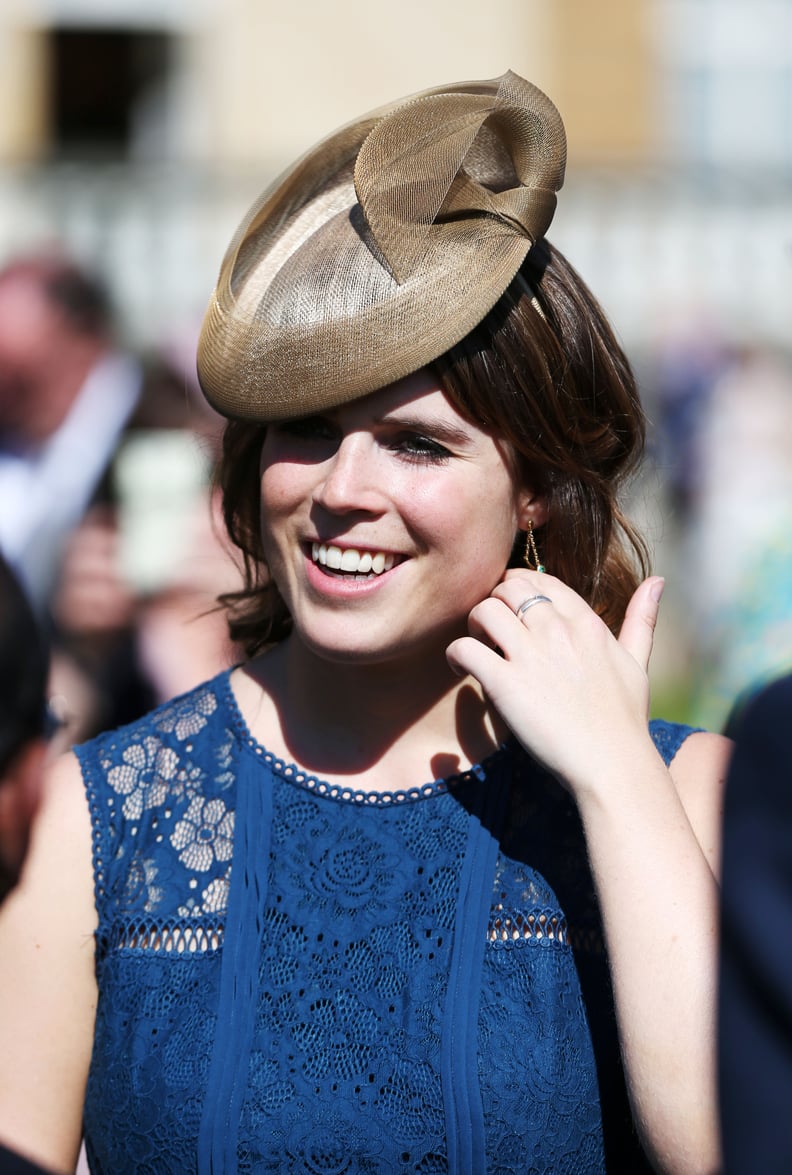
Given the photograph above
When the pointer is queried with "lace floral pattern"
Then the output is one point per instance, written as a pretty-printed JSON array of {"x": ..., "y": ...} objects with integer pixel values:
[
  {"x": 204, "y": 835},
  {"x": 354, "y": 938},
  {"x": 163, "y": 788}
]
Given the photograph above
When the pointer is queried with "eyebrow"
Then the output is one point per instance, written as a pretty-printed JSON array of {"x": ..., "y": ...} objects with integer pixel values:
[{"x": 438, "y": 429}]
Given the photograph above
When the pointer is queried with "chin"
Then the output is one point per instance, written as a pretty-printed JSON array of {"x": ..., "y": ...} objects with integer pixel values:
[
  {"x": 349, "y": 654},
  {"x": 349, "y": 650}
]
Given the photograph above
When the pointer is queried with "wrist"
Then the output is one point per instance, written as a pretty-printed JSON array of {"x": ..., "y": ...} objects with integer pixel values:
[{"x": 632, "y": 767}]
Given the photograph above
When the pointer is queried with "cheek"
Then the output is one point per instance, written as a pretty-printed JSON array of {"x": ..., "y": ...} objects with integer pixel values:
[
  {"x": 484, "y": 557},
  {"x": 279, "y": 489},
  {"x": 478, "y": 523},
  {"x": 279, "y": 504}
]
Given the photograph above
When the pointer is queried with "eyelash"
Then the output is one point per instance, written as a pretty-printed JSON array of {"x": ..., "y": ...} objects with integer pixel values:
[{"x": 420, "y": 449}]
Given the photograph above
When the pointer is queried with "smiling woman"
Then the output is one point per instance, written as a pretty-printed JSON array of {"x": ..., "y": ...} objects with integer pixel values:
[
  {"x": 374, "y": 476},
  {"x": 405, "y": 890}
]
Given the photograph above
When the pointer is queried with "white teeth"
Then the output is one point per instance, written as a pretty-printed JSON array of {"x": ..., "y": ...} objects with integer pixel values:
[{"x": 352, "y": 560}]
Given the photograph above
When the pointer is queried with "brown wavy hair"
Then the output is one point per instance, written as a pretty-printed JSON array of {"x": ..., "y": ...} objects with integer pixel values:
[{"x": 545, "y": 372}]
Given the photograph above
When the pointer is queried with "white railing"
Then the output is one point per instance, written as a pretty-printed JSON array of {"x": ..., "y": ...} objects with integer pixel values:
[{"x": 656, "y": 248}]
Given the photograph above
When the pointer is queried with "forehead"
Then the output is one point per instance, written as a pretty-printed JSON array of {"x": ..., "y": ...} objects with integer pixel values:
[{"x": 420, "y": 394}]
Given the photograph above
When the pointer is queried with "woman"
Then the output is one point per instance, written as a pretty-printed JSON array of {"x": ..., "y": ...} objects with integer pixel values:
[{"x": 369, "y": 902}]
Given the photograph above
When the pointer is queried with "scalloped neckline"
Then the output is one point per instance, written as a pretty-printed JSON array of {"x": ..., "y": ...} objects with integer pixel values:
[{"x": 293, "y": 774}]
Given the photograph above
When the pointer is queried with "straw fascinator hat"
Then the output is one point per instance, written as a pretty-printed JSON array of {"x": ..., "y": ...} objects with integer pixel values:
[{"x": 381, "y": 248}]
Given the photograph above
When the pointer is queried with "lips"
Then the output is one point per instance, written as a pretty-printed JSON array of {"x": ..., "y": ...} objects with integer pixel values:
[{"x": 351, "y": 560}]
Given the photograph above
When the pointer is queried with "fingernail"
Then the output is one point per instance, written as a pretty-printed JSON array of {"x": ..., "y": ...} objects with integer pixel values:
[{"x": 657, "y": 590}]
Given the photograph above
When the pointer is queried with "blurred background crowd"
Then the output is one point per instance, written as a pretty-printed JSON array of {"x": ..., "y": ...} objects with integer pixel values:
[{"x": 133, "y": 135}]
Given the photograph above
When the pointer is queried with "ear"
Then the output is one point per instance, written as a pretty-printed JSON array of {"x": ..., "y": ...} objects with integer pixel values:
[
  {"x": 20, "y": 792},
  {"x": 531, "y": 507}
]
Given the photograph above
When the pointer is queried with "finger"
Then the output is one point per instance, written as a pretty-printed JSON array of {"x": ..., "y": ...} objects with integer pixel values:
[
  {"x": 637, "y": 631},
  {"x": 517, "y": 579},
  {"x": 518, "y": 586},
  {"x": 493, "y": 622},
  {"x": 466, "y": 655}
]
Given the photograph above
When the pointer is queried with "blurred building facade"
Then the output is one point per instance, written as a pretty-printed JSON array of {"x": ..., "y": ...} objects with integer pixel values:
[{"x": 138, "y": 130}]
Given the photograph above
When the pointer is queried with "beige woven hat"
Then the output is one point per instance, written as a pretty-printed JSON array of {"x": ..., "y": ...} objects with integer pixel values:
[{"x": 381, "y": 248}]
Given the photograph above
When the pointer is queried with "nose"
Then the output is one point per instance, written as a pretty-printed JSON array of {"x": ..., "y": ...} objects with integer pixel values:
[{"x": 350, "y": 478}]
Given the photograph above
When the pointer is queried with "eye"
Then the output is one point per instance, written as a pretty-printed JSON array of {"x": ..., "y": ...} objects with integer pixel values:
[{"x": 417, "y": 447}]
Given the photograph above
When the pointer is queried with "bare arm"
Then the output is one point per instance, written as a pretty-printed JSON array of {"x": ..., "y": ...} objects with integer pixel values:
[
  {"x": 578, "y": 700},
  {"x": 659, "y": 903},
  {"x": 47, "y": 986}
]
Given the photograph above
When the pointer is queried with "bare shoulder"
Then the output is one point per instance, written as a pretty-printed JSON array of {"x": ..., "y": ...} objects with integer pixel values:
[
  {"x": 47, "y": 980},
  {"x": 699, "y": 772},
  {"x": 57, "y": 881},
  {"x": 60, "y": 851}
]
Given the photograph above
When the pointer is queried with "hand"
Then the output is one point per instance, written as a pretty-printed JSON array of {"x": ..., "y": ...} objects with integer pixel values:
[{"x": 574, "y": 695}]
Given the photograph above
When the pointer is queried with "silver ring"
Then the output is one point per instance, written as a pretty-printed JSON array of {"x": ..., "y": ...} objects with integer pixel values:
[{"x": 529, "y": 603}]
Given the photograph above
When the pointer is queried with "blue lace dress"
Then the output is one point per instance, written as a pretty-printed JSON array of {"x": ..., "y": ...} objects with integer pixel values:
[{"x": 299, "y": 978}]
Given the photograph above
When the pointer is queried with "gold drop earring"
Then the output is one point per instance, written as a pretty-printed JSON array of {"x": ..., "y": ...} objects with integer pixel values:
[{"x": 531, "y": 555}]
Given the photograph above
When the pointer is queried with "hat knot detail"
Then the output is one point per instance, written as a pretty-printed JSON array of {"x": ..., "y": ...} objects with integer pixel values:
[{"x": 462, "y": 163}]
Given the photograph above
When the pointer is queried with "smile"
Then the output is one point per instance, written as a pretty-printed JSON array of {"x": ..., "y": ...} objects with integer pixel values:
[{"x": 351, "y": 561}]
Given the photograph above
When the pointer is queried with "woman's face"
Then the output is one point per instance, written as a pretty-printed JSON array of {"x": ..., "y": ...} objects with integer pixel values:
[{"x": 386, "y": 520}]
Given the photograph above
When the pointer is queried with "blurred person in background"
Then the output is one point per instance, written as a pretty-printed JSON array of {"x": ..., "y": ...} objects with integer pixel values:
[
  {"x": 736, "y": 557},
  {"x": 23, "y": 747},
  {"x": 687, "y": 364},
  {"x": 136, "y": 601},
  {"x": 67, "y": 391},
  {"x": 66, "y": 394},
  {"x": 755, "y": 1015},
  {"x": 23, "y": 723},
  {"x": 105, "y": 508}
]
